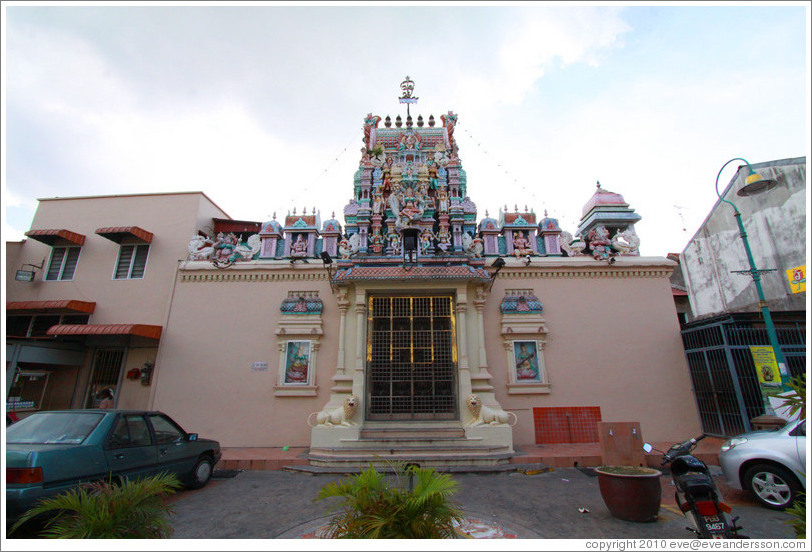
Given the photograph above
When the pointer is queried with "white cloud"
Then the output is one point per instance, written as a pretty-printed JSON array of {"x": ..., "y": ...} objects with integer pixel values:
[
  {"x": 18, "y": 210},
  {"x": 256, "y": 115},
  {"x": 80, "y": 81},
  {"x": 10, "y": 199},
  {"x": 12, "y": 234},
  {"x": 537, "y": 40}
]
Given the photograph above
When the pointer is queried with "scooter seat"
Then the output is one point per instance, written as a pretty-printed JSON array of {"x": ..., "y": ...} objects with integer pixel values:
[{"x": 695, "y": 483}]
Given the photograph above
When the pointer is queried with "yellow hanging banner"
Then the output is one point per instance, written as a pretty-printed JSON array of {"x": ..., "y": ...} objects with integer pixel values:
[
  {"x": 797, "y": 278},
  {"x": 769, "y": 376}
]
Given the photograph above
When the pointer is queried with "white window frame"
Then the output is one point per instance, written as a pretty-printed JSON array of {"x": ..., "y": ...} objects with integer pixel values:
[
  {"x": 129, "y": 275},
  {"x": 63, "y": 261}
]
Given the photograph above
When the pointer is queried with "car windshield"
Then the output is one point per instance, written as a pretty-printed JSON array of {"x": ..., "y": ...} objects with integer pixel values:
[{"x": 46, "y": 428}]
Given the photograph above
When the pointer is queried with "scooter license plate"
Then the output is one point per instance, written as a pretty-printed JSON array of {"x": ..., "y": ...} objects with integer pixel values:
[{"x": 713, "y": 524}]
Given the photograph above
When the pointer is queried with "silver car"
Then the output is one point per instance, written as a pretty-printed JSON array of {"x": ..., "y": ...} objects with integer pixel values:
[{"x": 770, "y": 464}]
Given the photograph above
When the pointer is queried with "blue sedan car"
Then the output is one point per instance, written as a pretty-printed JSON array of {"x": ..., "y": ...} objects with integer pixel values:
[{"x": 50, "y": 452}]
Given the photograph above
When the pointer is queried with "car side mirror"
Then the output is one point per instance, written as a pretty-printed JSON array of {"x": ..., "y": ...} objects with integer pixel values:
[
  {"x": 192, "y": 437},
  {"x": 647, "y": 447}
]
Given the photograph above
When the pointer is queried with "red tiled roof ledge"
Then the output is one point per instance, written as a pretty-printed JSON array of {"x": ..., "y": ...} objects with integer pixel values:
[
  {"x": 141, "y": 330},
  {"x": 51, "y": 236},
  {"x": 678, "y": 291},
  {"x": 66, "y": 305},
  {"x": 118, "y": 233}
]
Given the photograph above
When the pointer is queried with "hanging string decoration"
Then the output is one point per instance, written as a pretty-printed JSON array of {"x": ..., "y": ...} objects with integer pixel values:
[
  {"x": 306, "y": 189},
  {"x": 502, "y": 166}
]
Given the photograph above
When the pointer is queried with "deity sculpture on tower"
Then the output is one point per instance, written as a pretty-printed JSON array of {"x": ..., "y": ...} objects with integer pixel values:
[{"x": 521, "y": 245}]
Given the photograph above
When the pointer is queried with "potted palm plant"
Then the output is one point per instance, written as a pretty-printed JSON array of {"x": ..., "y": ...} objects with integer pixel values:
[
  {"x": 372, "y": 508},
  {"x": 132, "y": 509},
  {"x": 631, "y": 493}
]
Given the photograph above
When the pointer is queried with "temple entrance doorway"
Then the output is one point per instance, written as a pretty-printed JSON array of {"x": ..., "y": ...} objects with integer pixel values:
[{"x": 411, "y": 358}]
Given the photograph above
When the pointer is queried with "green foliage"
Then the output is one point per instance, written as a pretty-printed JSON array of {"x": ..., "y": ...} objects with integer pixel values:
[
  {"x": 373, "y": 509},
  {"x": 132, "y": 510},
  {"x": 797, "y": 400},
  {"x": 797, "y": 403},
  {"x": 798, "y": 513},
  {"x": 628, "y": 470}
]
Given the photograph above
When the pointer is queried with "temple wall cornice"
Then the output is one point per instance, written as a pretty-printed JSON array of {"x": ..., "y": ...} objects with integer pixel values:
[
  {"x": 246, "y": 273},
  {"x": 540, "y": 268},
  {"x": 583, "y": 267}
]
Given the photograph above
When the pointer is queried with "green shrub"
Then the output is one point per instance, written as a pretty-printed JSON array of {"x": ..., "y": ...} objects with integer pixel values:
[
  {"x": 798, "y": 513},
  {"x": 134, "y": 509},
  {"x": 797, "y": 403},
  {"x": 373, "y": 509}
]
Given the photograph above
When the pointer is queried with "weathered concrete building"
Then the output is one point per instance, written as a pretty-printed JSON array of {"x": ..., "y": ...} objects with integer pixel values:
[
  {"x": 728, "y": 330},
  {"x": 776, "y": 228}
]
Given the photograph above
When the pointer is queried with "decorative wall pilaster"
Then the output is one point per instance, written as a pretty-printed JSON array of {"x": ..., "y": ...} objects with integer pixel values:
[
  {"x": 360, "y": 331},
  {"x": 342, "y": 382},
  {"x": 462, "y": 333},
  {"x": 480, "y": 381}
]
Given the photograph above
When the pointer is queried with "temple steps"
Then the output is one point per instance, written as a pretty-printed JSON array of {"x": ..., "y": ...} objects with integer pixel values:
[
  {"x": 341, "y": 461},
  {"x": 429, "y": 444},
  {"x": 409, "y": 432}
]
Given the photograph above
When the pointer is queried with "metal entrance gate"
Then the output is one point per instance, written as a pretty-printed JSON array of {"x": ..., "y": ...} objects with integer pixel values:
[
  {"x": 411, "y": 358},
  {"x": 724, "y": 377}
]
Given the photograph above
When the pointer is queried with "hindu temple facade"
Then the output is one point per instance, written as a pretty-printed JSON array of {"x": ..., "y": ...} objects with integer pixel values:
[{"x": 415, "y": 329}]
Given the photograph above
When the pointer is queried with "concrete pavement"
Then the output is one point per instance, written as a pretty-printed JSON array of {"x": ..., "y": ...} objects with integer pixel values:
[{"x": 279, "y": 505}]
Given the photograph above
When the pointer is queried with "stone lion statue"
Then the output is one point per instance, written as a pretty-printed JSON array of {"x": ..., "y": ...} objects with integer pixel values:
[
  {"x": 342, "y": 415},
  {"x": 486, "y": 415}
]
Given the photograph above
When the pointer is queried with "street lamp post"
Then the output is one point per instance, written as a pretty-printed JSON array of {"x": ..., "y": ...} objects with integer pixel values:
[{"x": 754, "y": 184}]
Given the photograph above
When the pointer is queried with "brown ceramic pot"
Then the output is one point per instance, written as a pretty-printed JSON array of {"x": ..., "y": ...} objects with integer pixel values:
[{"x": 633, "y": 494}]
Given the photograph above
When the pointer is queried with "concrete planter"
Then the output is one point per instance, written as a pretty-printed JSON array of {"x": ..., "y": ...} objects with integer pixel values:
[{"x": 630, "y": 493}]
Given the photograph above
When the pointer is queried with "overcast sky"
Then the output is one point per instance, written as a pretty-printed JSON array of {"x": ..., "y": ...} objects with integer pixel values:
[{"x": 261, "y": 106}]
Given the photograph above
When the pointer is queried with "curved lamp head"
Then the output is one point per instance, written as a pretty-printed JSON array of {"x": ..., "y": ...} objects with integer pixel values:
[{"x": 754, "y": 184}]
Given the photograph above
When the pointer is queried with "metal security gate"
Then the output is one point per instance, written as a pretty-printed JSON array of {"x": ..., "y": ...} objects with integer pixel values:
[
  {"x": 411, "y": 358},
  {"x": 106, "y": 374},
  {"x": 724, "y": 377}
]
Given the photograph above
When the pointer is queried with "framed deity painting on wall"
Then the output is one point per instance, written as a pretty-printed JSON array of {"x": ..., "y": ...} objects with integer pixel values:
[
  {"x": 526, "y": 361},
  {"x": 297, "y": 362}
]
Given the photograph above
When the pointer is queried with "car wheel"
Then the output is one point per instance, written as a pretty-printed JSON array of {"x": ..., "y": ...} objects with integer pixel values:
[
  {"x": 201, "y": 473},
  {"x": 773, "y": 486}
]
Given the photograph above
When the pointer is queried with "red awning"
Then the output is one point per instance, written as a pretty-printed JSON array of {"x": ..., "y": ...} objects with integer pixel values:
[
  {"x": 51, "y": 306},
  {"x": 236, "y": 226},
  {"x": 52, "y": 236},
  {"x": 118, "y": 233},
  {"x": 141, "y": 330}
]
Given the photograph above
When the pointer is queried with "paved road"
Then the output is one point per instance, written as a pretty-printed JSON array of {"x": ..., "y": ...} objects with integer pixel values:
[{"x": 279, "y": 504}]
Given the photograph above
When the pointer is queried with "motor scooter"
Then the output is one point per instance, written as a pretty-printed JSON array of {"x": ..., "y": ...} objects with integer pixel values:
[{"x": 696, "y": 493}]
